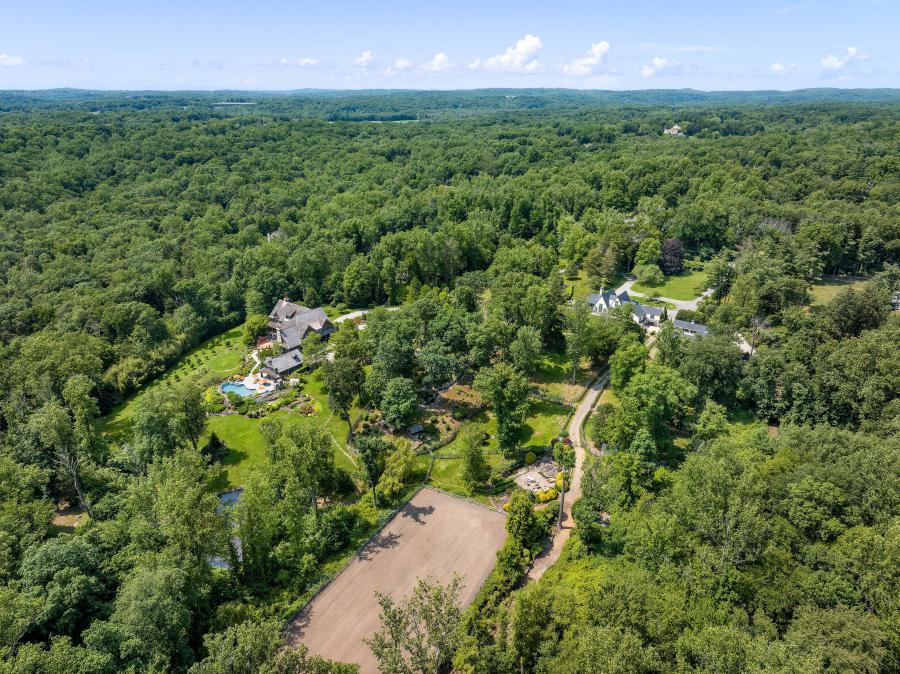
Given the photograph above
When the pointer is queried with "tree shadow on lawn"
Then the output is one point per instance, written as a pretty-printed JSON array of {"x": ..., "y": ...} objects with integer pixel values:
[{"x": 554, "y": 368}]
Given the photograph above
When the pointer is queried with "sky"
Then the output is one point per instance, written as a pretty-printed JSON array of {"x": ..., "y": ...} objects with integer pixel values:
[{"x": 464, "y": 44}]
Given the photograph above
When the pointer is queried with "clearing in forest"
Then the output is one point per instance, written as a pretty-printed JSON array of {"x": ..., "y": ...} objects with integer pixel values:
[{"x": 433, "y": 536}]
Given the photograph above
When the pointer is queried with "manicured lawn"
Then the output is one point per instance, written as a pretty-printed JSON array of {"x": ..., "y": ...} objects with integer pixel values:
[
  {"x": 247, "y": 448},
  {"x": 656, "y": 303},
  {"x": 545, "y": 420},
  {"x": 554, "y": 375},
  {"x": 212, "y": 362},
  {"x": 825, "y": 290},
  {"x": 582, "y": 286},
  {"x": 215, "y": 359},
  {"x": 681, "y": 287}
]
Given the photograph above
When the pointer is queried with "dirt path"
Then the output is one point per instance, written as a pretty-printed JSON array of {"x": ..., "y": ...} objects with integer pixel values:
[{"x": 550, "y": 554}]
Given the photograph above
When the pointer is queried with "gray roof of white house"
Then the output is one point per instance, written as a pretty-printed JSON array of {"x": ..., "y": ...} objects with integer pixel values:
[
  {"x": 698, "y": 328},
  {"x": 606, "y": 296},
  {"x": 289, "y": 360},
  {"x": 652, "y": 311}
]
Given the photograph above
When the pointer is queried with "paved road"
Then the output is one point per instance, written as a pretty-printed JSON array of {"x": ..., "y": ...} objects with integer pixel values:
[
  {"x": 690, "y": 305},
  {"x": 549, "y": 556}
]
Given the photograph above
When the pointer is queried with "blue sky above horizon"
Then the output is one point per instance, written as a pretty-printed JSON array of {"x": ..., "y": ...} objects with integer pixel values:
[{"x": 769, "y": 44}]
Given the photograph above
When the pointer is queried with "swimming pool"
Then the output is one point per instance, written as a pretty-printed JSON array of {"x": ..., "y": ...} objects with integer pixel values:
[{"x": 235, "y": 387}]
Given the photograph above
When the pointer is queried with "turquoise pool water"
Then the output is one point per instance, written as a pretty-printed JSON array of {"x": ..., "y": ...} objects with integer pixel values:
[{"x": 240, "y": 389}]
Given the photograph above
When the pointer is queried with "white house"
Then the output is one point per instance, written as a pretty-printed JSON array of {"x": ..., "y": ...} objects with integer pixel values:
[
  {"x": 600, "y": 303},
  {"x": 603, "y": 301},
  {"x": 647, "y": 315}
]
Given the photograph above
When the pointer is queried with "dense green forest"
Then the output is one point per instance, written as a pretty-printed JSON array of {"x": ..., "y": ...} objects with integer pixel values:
[{"x": 746, "y": 513}]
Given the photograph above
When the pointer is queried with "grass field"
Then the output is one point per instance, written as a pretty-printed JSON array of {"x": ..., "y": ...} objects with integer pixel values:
[
  {"x": 825, "y": 290},
  {"x": 212, "y": 362},
  {"x": 554, "y": 375},
  {"x": 545, "y": 420},
  {"x": 246, "y": 445},
  {"x": 214, "y": 359},
  {"x": 434, "y": 536},
  {"x": 651, "y": 302},
  {"x": 684, "y": 286},
  {"x": 582, "y": 287}
]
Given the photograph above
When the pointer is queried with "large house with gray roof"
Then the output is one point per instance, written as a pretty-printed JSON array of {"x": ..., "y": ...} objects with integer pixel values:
[
  {"x": 289, "y": 324},
  {"x": 647, "y": 315},
  {"x": 601, "y": 303}
]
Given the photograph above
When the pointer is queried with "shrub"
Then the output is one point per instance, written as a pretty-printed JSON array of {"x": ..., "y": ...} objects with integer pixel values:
[
  {"x": 530, "y": 458},
  {"x": 546, "y": 495},
  {"x": 559, "y": 480}
]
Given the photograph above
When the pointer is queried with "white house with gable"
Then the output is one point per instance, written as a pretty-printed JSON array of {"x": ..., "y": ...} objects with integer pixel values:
[{"x": 603, "y": 301}]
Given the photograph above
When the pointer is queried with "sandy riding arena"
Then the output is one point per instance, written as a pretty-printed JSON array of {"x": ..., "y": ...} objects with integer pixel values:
[{"x": 434, "y": 535}]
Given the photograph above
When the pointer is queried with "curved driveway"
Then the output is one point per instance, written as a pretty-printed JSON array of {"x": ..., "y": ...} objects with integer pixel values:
[
  {"x": 690, "y": 305},
  {"x": 549, "y": 555}
]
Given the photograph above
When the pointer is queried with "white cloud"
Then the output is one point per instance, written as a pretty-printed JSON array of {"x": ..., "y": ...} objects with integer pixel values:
[
  {"x": 517, "y": 59},
  {"x": 779, "y": 68},
  {"x": 660, "y": 66},
  {"x": 365, "y": 59},
  {"x": 832, "y": 62},
  {"x": 683, "y": 48},
  {"x": 439, "y": 64},
  {"x": 305, "y": 62},
  {"x": 590, "y": 62},
  {"x": 402, "y": 63},
  {"x": 9, "y": 61}
]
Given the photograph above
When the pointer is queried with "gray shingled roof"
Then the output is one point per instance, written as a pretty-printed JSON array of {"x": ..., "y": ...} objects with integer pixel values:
[
  {"x": 606, "y": 296},
  {"x": 286, "y": 362},
  {"x": 285, "y": 310},
  {"x": 293, "y": 322},
  {"x": 698, "y": 328}
]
